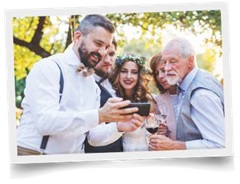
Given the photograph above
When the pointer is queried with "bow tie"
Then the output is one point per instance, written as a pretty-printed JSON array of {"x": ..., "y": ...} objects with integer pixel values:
[{"x": 82, "y": 70}]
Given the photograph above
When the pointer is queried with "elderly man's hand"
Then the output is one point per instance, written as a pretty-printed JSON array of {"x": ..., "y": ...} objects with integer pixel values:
[{"x": 161, "y": 142}]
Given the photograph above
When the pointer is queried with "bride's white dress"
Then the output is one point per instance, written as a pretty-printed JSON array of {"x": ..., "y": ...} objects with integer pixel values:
[{"x": 136, "y": 140}]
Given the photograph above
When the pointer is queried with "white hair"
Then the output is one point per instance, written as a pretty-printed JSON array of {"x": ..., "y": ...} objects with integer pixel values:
[{"x": 183, "y": 45}]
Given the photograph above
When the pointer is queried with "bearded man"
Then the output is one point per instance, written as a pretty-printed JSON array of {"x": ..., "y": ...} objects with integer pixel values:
[{"x": 61, "y": 103}]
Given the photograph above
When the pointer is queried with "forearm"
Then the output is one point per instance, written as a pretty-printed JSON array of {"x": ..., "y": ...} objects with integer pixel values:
[
  {"x": 178, "y": 145},
  {"x": 103, "y": 134}
]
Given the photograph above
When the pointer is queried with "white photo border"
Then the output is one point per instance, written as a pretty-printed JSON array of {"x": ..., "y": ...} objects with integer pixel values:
[{"x": 227, "y": 151}]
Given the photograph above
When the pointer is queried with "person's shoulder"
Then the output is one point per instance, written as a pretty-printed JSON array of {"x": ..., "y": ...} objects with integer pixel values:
[
  {"x": 204, "y": 75},
  {"x": 204, "y": 93},
  {"x": 49, "y": 61},
  {"x": 46, "y": 64},
  {"x": 159, "y": 96}
]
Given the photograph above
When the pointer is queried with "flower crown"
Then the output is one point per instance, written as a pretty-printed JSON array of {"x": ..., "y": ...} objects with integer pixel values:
[{"x": 137, "y": 58}]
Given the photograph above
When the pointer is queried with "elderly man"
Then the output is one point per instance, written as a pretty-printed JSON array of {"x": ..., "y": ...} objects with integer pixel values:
[{"x": 200, "y": 110}]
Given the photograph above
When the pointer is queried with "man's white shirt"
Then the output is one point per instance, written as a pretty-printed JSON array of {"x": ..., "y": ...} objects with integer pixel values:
[{"x": 68, "y": 122}]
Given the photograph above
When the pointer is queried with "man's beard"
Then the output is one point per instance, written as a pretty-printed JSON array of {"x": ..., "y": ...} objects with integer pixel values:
[
  {"x": 102, "y": 73},
  {"x": 85, "y": 57},
  {"x": 172, "y": 80}
]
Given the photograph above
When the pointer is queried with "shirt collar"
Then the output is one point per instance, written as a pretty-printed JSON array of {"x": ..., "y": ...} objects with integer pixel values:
[
  {"x": 99, "y": 79},
  {"x": 72, "y": 58},
  {"x": 188, "y": 79},
  {"x": 96, "y": 77}
]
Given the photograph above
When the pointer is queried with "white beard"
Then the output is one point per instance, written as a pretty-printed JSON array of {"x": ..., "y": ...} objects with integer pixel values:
[{"x": 173, "y": 80}]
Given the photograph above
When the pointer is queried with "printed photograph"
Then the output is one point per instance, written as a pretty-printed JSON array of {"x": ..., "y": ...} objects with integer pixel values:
[{"x": 142, "y": 84}]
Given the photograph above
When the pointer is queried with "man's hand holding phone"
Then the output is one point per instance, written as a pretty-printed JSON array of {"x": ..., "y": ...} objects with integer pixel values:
[
  {"x": 143, "y": 108},
  {"x": 116, "y": 110},
  {"x": 133, "y": 124}
]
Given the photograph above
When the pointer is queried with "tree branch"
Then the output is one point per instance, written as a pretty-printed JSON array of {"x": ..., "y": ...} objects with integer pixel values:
[
  {"x": 34, "y": 45},
  {"x": 39, "y": 31},
  {"x": 34, "y": 48}
]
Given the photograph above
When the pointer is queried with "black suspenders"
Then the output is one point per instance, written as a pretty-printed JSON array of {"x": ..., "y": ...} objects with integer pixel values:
[{"x": 61, "y": 83}]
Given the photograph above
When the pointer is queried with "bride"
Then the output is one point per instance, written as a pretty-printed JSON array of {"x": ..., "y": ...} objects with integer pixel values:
[{"x": 130, "y": 81}]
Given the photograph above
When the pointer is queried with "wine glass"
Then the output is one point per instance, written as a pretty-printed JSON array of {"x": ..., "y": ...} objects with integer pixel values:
[
  {"x": 161, "y": 117},
  {"x": 151, "y": 124},
  {"x": 157, "y": 118}
]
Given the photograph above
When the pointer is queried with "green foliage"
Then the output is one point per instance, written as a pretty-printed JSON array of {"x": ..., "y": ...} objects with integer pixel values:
[
  {"x": 24, "y": 60},
  {"x": 19, "y": 85},
  {"x": 54, "y": 37},
  {"x": 146, "y": 48},
  {"x": 195, "y": 21},
  {"x": 207, "y": 59},
  {"x": 24, "y": 27}
]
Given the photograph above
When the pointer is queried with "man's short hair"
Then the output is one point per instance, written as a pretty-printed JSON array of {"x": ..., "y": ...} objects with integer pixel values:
[
  {"x": 114, "y": 42},
  {"x": 183, "y": 45},
  {"x": 91, "y": 21}
]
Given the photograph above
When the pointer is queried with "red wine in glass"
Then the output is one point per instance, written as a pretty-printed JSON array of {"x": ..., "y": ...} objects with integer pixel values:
[{"x": 152, "y": 130}]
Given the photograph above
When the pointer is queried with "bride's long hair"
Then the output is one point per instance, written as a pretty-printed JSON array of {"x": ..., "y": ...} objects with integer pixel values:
[{"x": 141, "y": 90}]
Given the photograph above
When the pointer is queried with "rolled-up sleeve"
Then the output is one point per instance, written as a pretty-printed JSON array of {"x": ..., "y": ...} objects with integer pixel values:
[{"x": 104, "y": 134}]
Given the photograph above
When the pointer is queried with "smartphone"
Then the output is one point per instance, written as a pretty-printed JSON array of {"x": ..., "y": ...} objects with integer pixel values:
[{"x": 143, "y": 108}]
